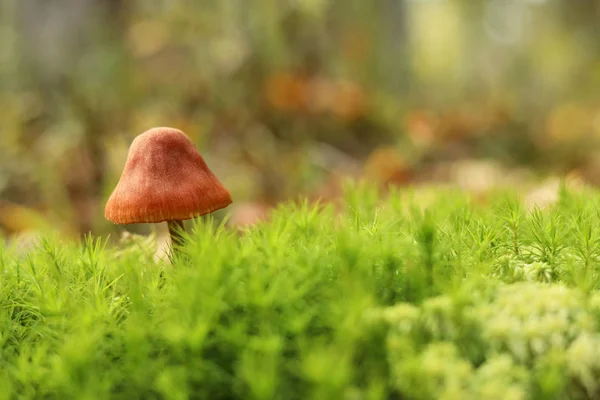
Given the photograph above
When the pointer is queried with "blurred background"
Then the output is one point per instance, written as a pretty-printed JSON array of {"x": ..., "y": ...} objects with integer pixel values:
[{"x": 286, "y": 98}]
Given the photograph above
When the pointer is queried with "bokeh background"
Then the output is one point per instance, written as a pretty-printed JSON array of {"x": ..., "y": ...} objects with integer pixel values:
[{"x": 286, "y": 98}]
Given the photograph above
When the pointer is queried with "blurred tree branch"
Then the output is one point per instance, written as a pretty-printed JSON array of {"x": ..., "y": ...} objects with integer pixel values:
[{"x": 57, "y": 40}]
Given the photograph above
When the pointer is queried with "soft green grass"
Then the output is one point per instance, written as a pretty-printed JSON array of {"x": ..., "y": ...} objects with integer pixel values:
[{"x": 408, "y": 297}]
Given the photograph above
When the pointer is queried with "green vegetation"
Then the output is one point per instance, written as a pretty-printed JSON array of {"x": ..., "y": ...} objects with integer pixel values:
[{"x": 412, "y": 296}]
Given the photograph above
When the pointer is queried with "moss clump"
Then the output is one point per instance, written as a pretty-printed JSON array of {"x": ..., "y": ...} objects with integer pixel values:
[{"x": 384, "y": 299}]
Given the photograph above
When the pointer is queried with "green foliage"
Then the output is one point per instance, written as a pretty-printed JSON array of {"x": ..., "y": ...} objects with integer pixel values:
[{"x": 385, "y": 299}]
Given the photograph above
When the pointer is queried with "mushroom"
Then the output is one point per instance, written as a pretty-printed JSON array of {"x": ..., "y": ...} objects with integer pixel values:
[{"x": 165, "y": 179}]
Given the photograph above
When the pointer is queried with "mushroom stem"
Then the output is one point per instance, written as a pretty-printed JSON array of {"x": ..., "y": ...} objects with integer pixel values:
[{"x": 176, "y": 228}]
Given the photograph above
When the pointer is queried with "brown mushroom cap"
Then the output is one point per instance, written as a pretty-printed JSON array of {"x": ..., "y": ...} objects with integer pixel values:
[{"x": 165, "y": 178}]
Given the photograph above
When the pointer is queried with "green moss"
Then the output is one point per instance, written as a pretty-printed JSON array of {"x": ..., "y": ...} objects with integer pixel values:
[{"x": 383, "y": 300}]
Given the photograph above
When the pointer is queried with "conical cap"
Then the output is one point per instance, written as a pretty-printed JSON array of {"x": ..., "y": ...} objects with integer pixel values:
[{"x": 164, "y": 178}]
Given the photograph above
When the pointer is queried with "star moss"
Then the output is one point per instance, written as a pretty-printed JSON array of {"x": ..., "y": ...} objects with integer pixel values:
[{"x": 414, "y": 295}]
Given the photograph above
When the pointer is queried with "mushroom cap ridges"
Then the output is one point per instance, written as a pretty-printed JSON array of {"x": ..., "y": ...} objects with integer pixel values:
[{"x": 164, "y": 178}]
